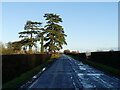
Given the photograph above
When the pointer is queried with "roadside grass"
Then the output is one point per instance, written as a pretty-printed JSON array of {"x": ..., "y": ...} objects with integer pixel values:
[
  {"x": 17, "y": 82},
  {"x": 104, "y": 68}
]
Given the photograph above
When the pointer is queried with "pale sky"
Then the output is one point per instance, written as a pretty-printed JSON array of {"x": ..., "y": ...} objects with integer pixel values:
[{"x": 89, "y": 25}]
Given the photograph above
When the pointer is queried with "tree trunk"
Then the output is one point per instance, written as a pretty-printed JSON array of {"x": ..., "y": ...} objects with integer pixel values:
[
  {"x": 30, "y": 48},
  {"x": 42, "y": 47}
]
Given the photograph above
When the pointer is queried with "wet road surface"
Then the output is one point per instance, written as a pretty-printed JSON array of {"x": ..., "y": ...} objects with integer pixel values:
[{"x": 67, "y": 72}]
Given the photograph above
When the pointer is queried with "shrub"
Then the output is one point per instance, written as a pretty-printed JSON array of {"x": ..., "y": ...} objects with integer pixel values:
[{"x": 66, "y": 51}]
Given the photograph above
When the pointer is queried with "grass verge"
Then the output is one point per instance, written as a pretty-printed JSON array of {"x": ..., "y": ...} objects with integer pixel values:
[
  {"x": 104, "y": 68},
  {"x": 17, "y": 82}
]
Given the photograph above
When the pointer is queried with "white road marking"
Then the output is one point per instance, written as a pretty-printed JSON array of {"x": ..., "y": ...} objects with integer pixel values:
[{"x": 33, "y": 84}]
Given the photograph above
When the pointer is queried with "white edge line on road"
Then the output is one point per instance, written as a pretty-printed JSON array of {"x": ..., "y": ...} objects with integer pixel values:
[{"x": 33, "y": 83}]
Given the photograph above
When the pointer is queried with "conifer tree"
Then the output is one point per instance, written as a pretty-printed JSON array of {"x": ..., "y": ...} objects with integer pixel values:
[
  {"x": 41, "y": 37},
  {"x": 55, "y": 37},
  {"x": 31, "y": 30}
]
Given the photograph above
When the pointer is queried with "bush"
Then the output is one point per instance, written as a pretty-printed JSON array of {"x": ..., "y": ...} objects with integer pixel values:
[{"x": 66, "y": 51}]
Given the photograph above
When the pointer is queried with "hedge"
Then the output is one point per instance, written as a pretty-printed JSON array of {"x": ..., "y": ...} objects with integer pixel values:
[
  {"x": 14, "y": 65},
  {"x": 79, "y": 55},
  {"x": 107, "y": 58}
]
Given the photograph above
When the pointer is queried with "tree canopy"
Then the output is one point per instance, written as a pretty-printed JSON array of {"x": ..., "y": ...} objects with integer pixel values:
[
  {"x": 55, "y": 36},
  {"x": 31, "y": 30},
  {"x": 51, "y": 36}
]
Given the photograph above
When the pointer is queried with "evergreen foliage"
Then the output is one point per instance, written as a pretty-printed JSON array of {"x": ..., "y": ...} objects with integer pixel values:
[
  {"x": 55, "y": 36},
  {"x": 31, "y": 30},
  {"x": 41, "y": 37},
  {"x": 51, "y": 37}
]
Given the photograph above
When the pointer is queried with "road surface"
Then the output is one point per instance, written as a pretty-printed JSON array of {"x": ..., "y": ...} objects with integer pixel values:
[{"x": 67, "y": 72}]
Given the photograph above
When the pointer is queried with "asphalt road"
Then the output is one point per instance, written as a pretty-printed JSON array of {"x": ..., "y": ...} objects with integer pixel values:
[{"x": 67, "y": 72}]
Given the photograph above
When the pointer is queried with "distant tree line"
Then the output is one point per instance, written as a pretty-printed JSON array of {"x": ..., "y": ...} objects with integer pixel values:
[
  {"x": 68, "y": 51},
  {"x": 51, "y": 37}
]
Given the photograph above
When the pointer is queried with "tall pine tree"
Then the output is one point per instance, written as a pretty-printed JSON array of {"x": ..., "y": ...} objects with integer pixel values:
[
  {"x": 31, "y": 30},
  {"x": 55, "y": 37},
  {"x": 41, "y": 37}
]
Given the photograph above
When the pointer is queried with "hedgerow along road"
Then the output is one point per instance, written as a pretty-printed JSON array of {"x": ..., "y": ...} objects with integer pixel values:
[{"x": 67, "y": 72}]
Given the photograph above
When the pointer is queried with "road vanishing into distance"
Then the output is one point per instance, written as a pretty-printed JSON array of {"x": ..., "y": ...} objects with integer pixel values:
[{"x": 67, "y": 72}]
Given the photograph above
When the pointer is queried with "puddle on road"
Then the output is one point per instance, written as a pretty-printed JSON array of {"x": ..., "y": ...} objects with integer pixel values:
[
  {"x": 43, "y": 69},
  {"x": 86, "y": 83},
  {"x": 81, "y": 75},
  {"x": 89, "y": 83},
  {"x": 89, "y": 74},
  {"x": 82, "y": 68},
  {"x": 85, "y": 79}
]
